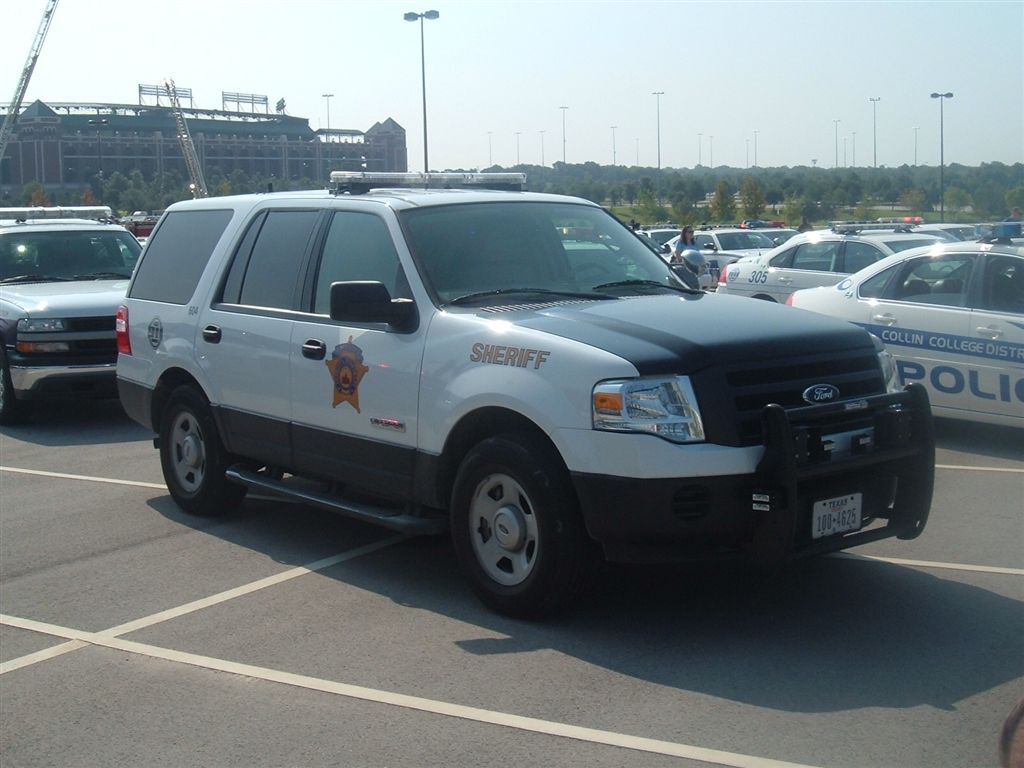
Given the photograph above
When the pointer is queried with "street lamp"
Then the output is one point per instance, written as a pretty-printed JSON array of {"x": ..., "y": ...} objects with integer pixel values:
[
  {"x": 835, "y": 124},
  {"x": 411, "y": 16},
  {"x": 98, "y": 122},
  {"x": 942, "y": 159},
  {"x": 563, "y": 133},
  {"x": 517, "y": 146},
  {"x": 700, "y": 149},
  {"x": 637, "y": 140},
  {"x": 854, "y": 162},
  {"x": 755, "y": 148},
  {"x": 657, "y": 95},
  {"x": 874, "y": 127},
  {"x": 711, "y": 151},
  {"x": 613, "y": 145},
  {"x": 747, "y": 157},
  {"x": 916, "y": 129},
  {"x": 328, "y": 97},
  {"x": 542, "y": 148}
]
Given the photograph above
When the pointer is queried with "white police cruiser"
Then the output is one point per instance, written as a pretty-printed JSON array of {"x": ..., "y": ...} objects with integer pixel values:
[
  {"x": 518, "y": 368},
  {"x": 820, "y": 257},
  {"x": 953, "y": 318},
  {"x": 63, "y": 273}
]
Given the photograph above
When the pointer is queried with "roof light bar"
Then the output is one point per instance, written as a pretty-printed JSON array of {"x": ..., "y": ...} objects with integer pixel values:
[
  {"x": 94, "y": 212},
  {"x": 863, "y": 226},
  {"x": 360, "y": 182}
]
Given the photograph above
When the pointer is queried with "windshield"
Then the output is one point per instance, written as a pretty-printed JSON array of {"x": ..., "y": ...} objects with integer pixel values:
[
  {"x": 901, "y": 245},
  {"x": 499, "y": 251},
  {"x": 67, "y": 254},
  {"x": 739, "y": 241}
]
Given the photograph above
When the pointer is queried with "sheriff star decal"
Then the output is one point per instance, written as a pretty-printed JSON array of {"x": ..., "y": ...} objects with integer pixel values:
[{"x": 347, "y": 370}]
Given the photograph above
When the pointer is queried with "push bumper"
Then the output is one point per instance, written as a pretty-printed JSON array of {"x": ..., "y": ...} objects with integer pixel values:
[{"x": 881, "y": 447}]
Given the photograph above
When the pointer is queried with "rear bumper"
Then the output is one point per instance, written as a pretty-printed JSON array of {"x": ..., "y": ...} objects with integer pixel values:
[{"x": 766, "y": 515}]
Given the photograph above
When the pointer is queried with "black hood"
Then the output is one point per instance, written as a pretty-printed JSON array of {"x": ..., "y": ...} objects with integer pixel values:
[{"x": 685, "y": 334}]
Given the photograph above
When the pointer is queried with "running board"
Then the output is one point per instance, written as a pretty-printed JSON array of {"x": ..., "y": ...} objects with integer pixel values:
[{"x": 367, "y": 513}]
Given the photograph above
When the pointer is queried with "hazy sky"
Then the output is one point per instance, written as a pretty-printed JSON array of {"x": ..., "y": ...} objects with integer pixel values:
[{"x": 727, "y": 69}]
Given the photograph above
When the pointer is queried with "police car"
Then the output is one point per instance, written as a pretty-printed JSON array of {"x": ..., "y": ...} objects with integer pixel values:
[
  {"x": 953, "y": 318},
  {"x": 816, "y": 258},
  {"x": 721, "y": 246},
  {"x": 518, "y": 369},
  {"x": 63, "y": 273}
]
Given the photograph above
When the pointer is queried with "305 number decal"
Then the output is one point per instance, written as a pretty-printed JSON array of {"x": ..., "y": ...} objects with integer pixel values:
[{"x": 758, "y": 276}]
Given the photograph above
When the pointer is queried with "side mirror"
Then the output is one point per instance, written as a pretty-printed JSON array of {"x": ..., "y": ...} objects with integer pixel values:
[
  {"x": 368, "y": 301},
  {"x": 665, "y": 248}
]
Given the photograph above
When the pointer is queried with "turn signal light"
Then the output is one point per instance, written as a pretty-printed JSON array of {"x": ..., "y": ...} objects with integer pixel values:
[{"x": 124, "y": 343}]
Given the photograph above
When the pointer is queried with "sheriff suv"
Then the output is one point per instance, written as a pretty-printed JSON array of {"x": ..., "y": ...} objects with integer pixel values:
[
  {"x": 516, "y": 368},
  {"x": 63, "y": 273}
]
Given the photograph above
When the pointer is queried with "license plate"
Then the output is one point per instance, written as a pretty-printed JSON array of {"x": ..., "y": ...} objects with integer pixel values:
[{"x": 838, "y": 515}]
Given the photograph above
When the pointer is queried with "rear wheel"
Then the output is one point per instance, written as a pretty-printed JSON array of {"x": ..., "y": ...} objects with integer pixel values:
[
  {"x": 517, "y": 528},
  {"x": 193, "y": 458}
]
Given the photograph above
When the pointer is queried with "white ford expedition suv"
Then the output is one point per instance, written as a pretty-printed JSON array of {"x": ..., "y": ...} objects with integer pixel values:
[{"x": 517, "y": 368}]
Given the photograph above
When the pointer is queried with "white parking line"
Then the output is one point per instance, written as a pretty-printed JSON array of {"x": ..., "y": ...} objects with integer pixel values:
[
  {"x": 934, "y": 564},
  {"x": 198, "y": 605},
  {"x": 967, "y": 468},
  {"x": 89, "y": 478},
  {"x": 432, "y": 706}
]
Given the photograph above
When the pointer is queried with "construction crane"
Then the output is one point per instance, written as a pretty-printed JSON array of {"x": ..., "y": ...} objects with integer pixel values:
[
  {"x": 19, "y": 93},
  {"x": 188, "y": 149}
]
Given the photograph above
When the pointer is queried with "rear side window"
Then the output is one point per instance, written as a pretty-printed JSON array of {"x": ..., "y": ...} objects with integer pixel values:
[
  {"x": 272, "y": 273},
  {"x": 177, "y": 254}
]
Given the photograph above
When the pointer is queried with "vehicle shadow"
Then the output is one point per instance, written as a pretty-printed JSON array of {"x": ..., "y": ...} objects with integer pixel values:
[
  {"x": 78, "y": 422},
  {"x": 828, "y": 635},
  {"x": 991, "y": 440}
]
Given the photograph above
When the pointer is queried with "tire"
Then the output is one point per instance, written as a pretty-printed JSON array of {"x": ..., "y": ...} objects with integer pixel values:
[
  {"x": 517, "y": 528},
  {"x": 11, "y": 410},
  {"x": 193, "y": 458}
]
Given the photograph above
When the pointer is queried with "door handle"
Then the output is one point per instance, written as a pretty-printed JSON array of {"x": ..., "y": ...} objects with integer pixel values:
[
  {"x": 885, "y": 319},
  {"x": 314, "y": 349},
  {"x": 785, "y": 280},
  {"x": 211, "y": 333},
  {"x": 988, "y": 331}
]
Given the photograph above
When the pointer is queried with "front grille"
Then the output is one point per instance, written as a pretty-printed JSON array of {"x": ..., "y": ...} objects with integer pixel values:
[
  {"x": 739, "y": 393},
  {"x": 89, "y": 324}
]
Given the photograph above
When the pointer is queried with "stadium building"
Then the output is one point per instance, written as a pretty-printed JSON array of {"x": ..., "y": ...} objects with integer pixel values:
[{"x": 66, "y": 145}]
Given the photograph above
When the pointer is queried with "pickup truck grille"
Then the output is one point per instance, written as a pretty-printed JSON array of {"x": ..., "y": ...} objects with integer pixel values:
[{"x": 737, "y": 394}]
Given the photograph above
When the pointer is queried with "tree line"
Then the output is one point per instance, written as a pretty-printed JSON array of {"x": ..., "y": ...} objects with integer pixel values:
[{"x": 722, "y": 194}]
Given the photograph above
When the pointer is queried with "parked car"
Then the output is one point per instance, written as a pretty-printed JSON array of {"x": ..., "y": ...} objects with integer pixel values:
[{"x": 952, "y": 316}]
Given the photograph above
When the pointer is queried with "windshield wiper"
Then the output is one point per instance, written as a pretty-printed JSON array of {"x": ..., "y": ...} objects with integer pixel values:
[
  {"x": 642, "y": 283},
  {"x": 102, "y": 276},
  {"x": 35, "y": 279},
  {"x": 547, "y": 291}
]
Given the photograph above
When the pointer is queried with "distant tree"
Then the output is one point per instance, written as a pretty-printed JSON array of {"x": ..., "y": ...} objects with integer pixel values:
[
  {"x": 751, "y": 198},
  {"x": 793, "y": 209},
  {"x": 87, "y": 197},
  {"x": 723, "y": 207},
  {"x": 648, "y": 208},
  {"x": 957, "y": 199},
  {"x": 34, "y": 193},
  {"x": 913, "y": 200},
  {"x": 629, "y": 191},
  {"x": 1015, "y": 197}
]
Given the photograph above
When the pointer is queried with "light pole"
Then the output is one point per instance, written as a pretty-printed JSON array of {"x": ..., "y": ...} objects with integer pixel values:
[
  {"x": 328, "y": 97},
  {"x": 711, "y": 151},
  {"x": 517, "y": 146},
  {"x": 411, "y": 16},
  {"x": 98, "y": 122},
  {"x": 637, "y": 151},
  {"x": 542, "y": 148},
  {"x": 916, "y": 129},
  {"x": 657, "y": 95},
  {"x": 835, "y": 124},
  {"x": 874, "y": 128},
  {"x": 942, "y": 158},
  {"x": 755, "y": 148},
  {"x": 613, "y": 145},
  {"x": 854, "y": 162},
  {"x": 563, "y": 133},
  {"x": 844, "y": 152},
  {"x": 747, "y": 161}
]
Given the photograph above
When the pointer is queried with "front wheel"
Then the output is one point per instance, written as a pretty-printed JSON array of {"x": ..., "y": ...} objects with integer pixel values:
[
  {"x": 517, "y": 528},
  {"x": 193, "y": 458}
]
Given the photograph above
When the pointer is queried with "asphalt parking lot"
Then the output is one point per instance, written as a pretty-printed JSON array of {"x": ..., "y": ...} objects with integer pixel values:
[{"x": 132, "y": 634}]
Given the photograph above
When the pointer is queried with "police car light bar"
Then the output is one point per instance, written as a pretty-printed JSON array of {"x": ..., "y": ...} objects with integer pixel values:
[
  {"x": 998, "y": 230},
  {"x": 848, "y": 227},
  {"x": 360, "y": 182},
  {"x": 94, "y": 212}
]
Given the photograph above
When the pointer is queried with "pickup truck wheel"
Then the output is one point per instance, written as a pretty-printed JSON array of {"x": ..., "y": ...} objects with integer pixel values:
[
  {"x": 11, "y": 411},
  {"x": 193, "y": 458},
  {"x": 517, "y": 528}
]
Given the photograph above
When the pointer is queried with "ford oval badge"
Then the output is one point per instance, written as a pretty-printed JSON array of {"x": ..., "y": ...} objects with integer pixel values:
[{"x": 821, "y": 393}]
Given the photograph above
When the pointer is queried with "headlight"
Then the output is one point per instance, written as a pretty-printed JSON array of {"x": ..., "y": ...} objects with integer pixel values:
[
  {"x": 663, "y": 406},
  {"x": 885, "y": 359},
  {"x": 41, "y": 325}
]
